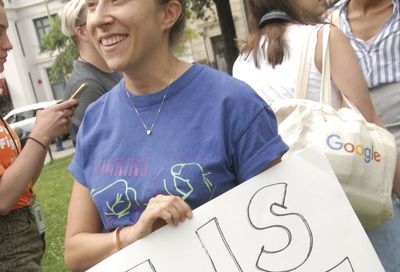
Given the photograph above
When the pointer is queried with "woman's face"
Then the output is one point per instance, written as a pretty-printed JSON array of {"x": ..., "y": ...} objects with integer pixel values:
[
  {"x": 5, "y": 44},
  {"x": 126, "y": 32},
  {"x": 311, "y": 7}
]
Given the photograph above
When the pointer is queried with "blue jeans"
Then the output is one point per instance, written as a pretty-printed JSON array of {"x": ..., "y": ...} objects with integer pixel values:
[{"x": 386, "y": 240}]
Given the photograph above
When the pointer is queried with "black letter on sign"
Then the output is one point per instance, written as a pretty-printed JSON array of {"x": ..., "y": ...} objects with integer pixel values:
[{"x": 266, "y": 211}]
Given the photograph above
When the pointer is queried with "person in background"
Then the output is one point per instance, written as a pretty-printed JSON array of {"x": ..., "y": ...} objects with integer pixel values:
[
  {"x": 90, "y": 68},
  {"x": 59, "y": 143},
  {"x": 168, "y": 138},
  {"x": 22, "y": 237},
  {"x": 270, "y": 58},
  {"x": 373, "y": 28}
]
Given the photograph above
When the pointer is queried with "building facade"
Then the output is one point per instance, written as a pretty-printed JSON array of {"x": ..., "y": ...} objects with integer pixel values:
[
  {"x": 208, "y": 47},
  {"x": 27, "y": 68}
]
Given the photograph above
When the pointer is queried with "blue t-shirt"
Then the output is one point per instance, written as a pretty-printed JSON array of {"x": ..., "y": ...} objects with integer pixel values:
[{"x": 212, "y": 133}]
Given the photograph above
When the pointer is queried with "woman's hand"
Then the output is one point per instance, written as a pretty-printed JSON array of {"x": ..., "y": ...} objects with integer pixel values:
[
  {"x": 160, "y": 210},
  {"x": 53, "y": 121}
]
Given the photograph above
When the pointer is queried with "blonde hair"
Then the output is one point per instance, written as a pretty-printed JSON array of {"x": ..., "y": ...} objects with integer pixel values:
[{"x": 71, "y": 17}]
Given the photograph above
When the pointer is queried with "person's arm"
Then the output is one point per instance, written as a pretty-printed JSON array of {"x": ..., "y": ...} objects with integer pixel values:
[
  {"x": 49, "y": 123},
  {"x": 349, "y": 79},
  {"x": 85, "y": 245},
  {"x": 346, "y": 73},
  {"x": 396, "y": 181}
]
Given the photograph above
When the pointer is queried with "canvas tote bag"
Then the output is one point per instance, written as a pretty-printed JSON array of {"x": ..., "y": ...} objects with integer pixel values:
[{"x": 362, "y": 154}]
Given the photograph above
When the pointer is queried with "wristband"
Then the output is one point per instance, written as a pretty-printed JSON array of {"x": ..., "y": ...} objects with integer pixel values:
[
  {"x": 115, "y": 238},
  {"x": 37, "y": 141}
]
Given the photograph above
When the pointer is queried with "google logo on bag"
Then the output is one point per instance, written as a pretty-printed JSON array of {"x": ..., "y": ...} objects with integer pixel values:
[{"x": 335, "y": 142}]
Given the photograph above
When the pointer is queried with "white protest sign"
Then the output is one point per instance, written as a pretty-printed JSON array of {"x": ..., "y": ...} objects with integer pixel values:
[{"x": 293, "y": 217}]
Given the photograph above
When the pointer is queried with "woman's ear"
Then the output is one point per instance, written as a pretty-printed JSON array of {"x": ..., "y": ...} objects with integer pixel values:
[
  {"x": 171, "y": 13},
  {"x": 81, "y": 33}
]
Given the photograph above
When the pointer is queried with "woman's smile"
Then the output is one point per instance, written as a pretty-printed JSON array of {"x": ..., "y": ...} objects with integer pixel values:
[{"x": 112, "y": 40}]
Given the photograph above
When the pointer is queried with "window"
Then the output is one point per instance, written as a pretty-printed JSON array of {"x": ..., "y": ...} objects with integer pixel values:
[
  {"x": 22, "y": 116},
  {"x": 218, "y": 49},
  {"x": 248, "y": 16},
  {"x": 42, "y": 25},
  {"x": 57, "y": 86}
]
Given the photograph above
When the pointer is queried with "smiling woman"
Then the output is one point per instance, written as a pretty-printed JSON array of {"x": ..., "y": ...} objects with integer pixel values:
[{"x": 165, "y": 140}]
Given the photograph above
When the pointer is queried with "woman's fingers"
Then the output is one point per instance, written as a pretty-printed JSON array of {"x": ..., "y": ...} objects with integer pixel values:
[
  {"x": 68, "y": 104},
  {"x": 171, "y": 209},
  {"x": 179, "y": 208},
  {"x": 183, "y": 208},
  {"x": 160, "y": 210},
  {"x": 68, "y": 113}
]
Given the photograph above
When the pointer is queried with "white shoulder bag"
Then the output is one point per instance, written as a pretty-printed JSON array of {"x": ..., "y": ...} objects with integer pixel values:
[{"x": 362, "y": 154}]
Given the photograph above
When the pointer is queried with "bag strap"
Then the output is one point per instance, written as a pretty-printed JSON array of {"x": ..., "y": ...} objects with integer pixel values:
[
  {"x": 326, "y": 92},
  {"x": 308, "y": 55},
  {"x": 347, "y": 103},
  {"x": 303, "y": 73},
  {"x": 334, "y": 18},
  {"x": 326, "y": 73}
]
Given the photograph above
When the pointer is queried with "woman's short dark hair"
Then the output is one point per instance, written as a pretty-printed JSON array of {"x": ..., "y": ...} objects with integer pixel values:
[{"x": 179, "y": 26}]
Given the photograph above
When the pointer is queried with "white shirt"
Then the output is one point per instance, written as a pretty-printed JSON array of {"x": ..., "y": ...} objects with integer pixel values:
[{"x": 280, "y": 82}]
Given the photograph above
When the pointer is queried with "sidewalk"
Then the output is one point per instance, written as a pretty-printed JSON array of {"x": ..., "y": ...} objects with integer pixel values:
[{"x": 69, "y": 149}]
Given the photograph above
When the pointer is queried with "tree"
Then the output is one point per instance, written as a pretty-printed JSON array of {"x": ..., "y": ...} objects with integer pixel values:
[
  {"x": 181, "y": 50},
  {"x": 56, "y": 41},
  {"x": 223, "y": 7}
]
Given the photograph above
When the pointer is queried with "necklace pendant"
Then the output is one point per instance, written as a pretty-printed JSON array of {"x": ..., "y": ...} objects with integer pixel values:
[{"x": 148, "y": 132}]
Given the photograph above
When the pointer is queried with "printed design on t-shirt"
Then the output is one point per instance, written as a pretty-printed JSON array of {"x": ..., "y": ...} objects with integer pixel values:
[
  {"x": 122, "y": 203},
  {"x": 182, "y": 184},
  {"x": 5, "y": 139}
]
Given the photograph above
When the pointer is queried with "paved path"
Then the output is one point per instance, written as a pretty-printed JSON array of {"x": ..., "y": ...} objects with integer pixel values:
[{"x": 69, "y": 149}]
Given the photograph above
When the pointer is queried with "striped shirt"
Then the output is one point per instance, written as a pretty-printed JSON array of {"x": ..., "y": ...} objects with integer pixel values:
[{"x": 380, "y": 57}]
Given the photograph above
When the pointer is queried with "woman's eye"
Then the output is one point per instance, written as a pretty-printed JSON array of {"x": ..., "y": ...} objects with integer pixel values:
[{"x": 91, "y": 3}]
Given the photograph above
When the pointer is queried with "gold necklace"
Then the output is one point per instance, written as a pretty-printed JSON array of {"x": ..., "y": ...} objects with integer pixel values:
[{"x": 149, "y": 131}]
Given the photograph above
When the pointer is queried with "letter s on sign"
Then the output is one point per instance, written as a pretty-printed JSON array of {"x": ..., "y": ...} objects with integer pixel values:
[{"x": 298, "y": 249}]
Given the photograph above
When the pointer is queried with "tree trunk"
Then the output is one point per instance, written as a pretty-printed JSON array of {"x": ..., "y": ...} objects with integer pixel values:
[{"x": 228, "y": 32}]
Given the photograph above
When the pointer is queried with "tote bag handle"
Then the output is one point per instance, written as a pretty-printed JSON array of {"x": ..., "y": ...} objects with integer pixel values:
[
  {"x": 307, "y": 57},
  {"x": 303, "y": 73},
  {"x": 305, "y": 66}
]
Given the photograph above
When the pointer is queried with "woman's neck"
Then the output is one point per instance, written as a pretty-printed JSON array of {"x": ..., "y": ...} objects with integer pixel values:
[
  {"x": 367, "y": 17},
  {"x": 89, "y": 54},
  {"x": 364, "y": 6},
  {"x": 154, "y": 77}
]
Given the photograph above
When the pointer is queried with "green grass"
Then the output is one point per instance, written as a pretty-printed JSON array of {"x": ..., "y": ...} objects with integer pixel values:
[{"x": 53, "y": 190}]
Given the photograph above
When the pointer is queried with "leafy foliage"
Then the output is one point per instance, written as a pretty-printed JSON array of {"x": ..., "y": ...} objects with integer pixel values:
[
  {"x": 199, "y": 8},
  {"x": 181, "y": 48},
  {"x": 56, "y": 41}
]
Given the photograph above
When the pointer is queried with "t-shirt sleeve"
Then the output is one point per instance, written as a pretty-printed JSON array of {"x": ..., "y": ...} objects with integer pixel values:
[
  {"x": 258, "y": 146},
  {"x": 76, "y": 165}
]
